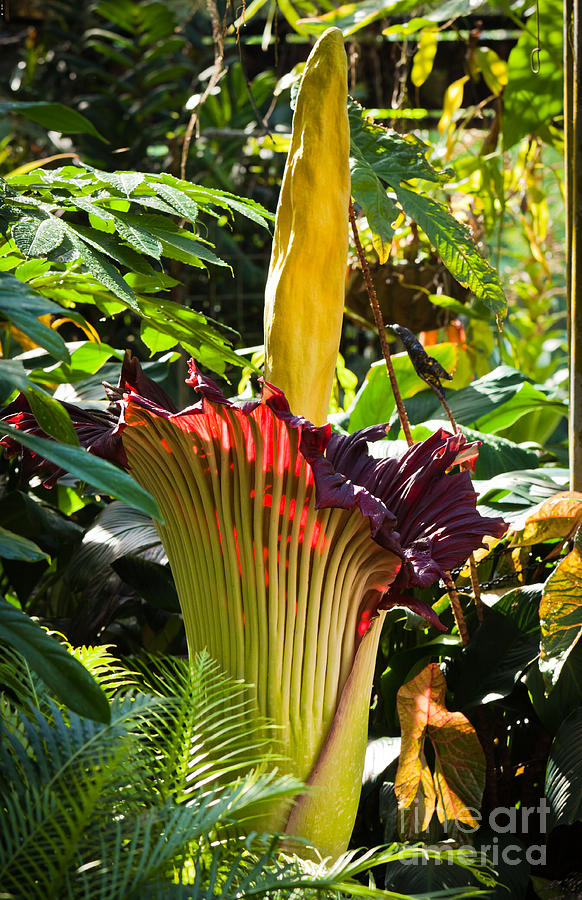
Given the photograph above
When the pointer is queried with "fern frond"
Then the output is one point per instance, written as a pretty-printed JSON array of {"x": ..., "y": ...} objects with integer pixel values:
[
  {"x": 20, "y": 684},
  {"x": 107, "y": 670},
  {"x": 217, "y": 733}
]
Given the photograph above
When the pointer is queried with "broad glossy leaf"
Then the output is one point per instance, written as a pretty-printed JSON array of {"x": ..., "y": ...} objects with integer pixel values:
[
  {"x": 459, "y": 776},
  {"x": 497, "y": 454},
  {"x": 558, "y": 517},
  {"x": 374, "y": 402},
  {"x": 14, "y": 546},
  {"x": 561, "y": 615},
  {"x": 471, "y": 402},
  {"x": 20, "y": 304},
  {"x": 563, "y": 788},
  {"x": 565, "y": 696},
  {"x": 527, "y": 399},
  {"x": 511, "y": 494},
  {"x": 454, "y": 245},
  {"x": 471, "y": 676},
  {"x": 13, "y": 377},
  {"x": 63, "y": 674},
  {"x": 52, "y": 417},
  {"x": 55, "y": 116},
  {"x": 97, "y": 472},
  {"x": 151, "y": 580},
  {"x": 87, "y": 357}
]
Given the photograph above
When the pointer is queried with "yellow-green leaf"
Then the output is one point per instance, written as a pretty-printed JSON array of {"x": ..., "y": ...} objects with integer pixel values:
[
  {"x": 493, "y": 69},
  {"x": 561, "y": 616},
  {"x": 424, "y": 56},
  {"x": 452, "y": 102},
  {"x": 558, "y": 517}
]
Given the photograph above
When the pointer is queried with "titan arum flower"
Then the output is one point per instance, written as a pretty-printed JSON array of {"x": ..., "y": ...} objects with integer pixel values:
[{"x": 288, "y": 543}]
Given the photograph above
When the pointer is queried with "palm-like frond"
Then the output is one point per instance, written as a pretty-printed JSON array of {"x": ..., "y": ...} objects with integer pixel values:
[
  {"x": 216, "y": 731},
  {"x": 107, "y": 670},
  {"x": 19, "y": 682},
  {"x": 157, "y": 803},
  {"x": 77, "y": 794}
]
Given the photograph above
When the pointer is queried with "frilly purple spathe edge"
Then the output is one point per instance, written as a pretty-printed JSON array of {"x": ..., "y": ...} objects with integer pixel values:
[{"x": 433, "y": 509}]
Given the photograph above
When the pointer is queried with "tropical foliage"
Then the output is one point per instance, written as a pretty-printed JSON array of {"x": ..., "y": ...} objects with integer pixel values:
[{"x": 141, "y": 150}]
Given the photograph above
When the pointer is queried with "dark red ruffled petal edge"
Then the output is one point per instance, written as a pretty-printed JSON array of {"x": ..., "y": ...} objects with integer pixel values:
[{"x": 436, "y": 513}]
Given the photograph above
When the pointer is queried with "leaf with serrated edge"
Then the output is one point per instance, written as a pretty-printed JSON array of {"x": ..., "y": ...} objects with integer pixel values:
[{"x": 455, "y": 247}]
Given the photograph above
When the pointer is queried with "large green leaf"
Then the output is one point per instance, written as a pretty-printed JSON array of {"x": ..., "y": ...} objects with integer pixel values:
[
  {"x": 566, "y": 696},
  {"x": 509, "y": 634},
  {"x": 455, "y": 247},
  {"x": 55, "y": 116},
  {"x": 392, "y": 157},
  {"x": 22, "y": 305},
  {"x": 532, "y": 100},
  {"x": 14, "y": 546},
  {"x": 52, "y": 417},
  {"x": 97, "y": 472},
  {"x": 527, "y": 399},
  {"x": 63, "y": 674},
  {"x": 374, "y": 402},
  {"x": 13, "y": 377},
  {"x": 470, "y": 403},
  {"x": 497, "y": 454},
  {"x": 513, "y": 493},
  {"x": 563, "y": 788},
  {"x": 151, "y": 580}
]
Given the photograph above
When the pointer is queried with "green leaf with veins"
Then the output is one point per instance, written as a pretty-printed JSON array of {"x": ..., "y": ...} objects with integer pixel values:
[{"x": 454, "y": 245}]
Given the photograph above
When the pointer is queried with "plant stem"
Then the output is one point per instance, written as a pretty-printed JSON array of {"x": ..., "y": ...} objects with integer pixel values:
[
  {"x": 573, "y": 143},
  {"x": 476, "y": 587},
  {"x": 457, "y": 609},
  {"x": 380, "y": 326}
]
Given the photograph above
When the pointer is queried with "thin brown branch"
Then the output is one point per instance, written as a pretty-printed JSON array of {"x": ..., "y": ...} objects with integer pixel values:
[
  {"x": 381, "y": 328},
  {"x": 217, "y": 37},
  {"x": 457, "y": 609},
  {"x": 476, "y": 586}
]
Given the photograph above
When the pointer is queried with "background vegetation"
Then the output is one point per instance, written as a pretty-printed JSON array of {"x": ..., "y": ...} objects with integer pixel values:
[{"x": 141, "y": 149}]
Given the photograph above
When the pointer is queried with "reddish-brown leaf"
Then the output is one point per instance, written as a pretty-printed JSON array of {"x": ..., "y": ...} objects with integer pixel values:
[{"x": 459, "y": 776}]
